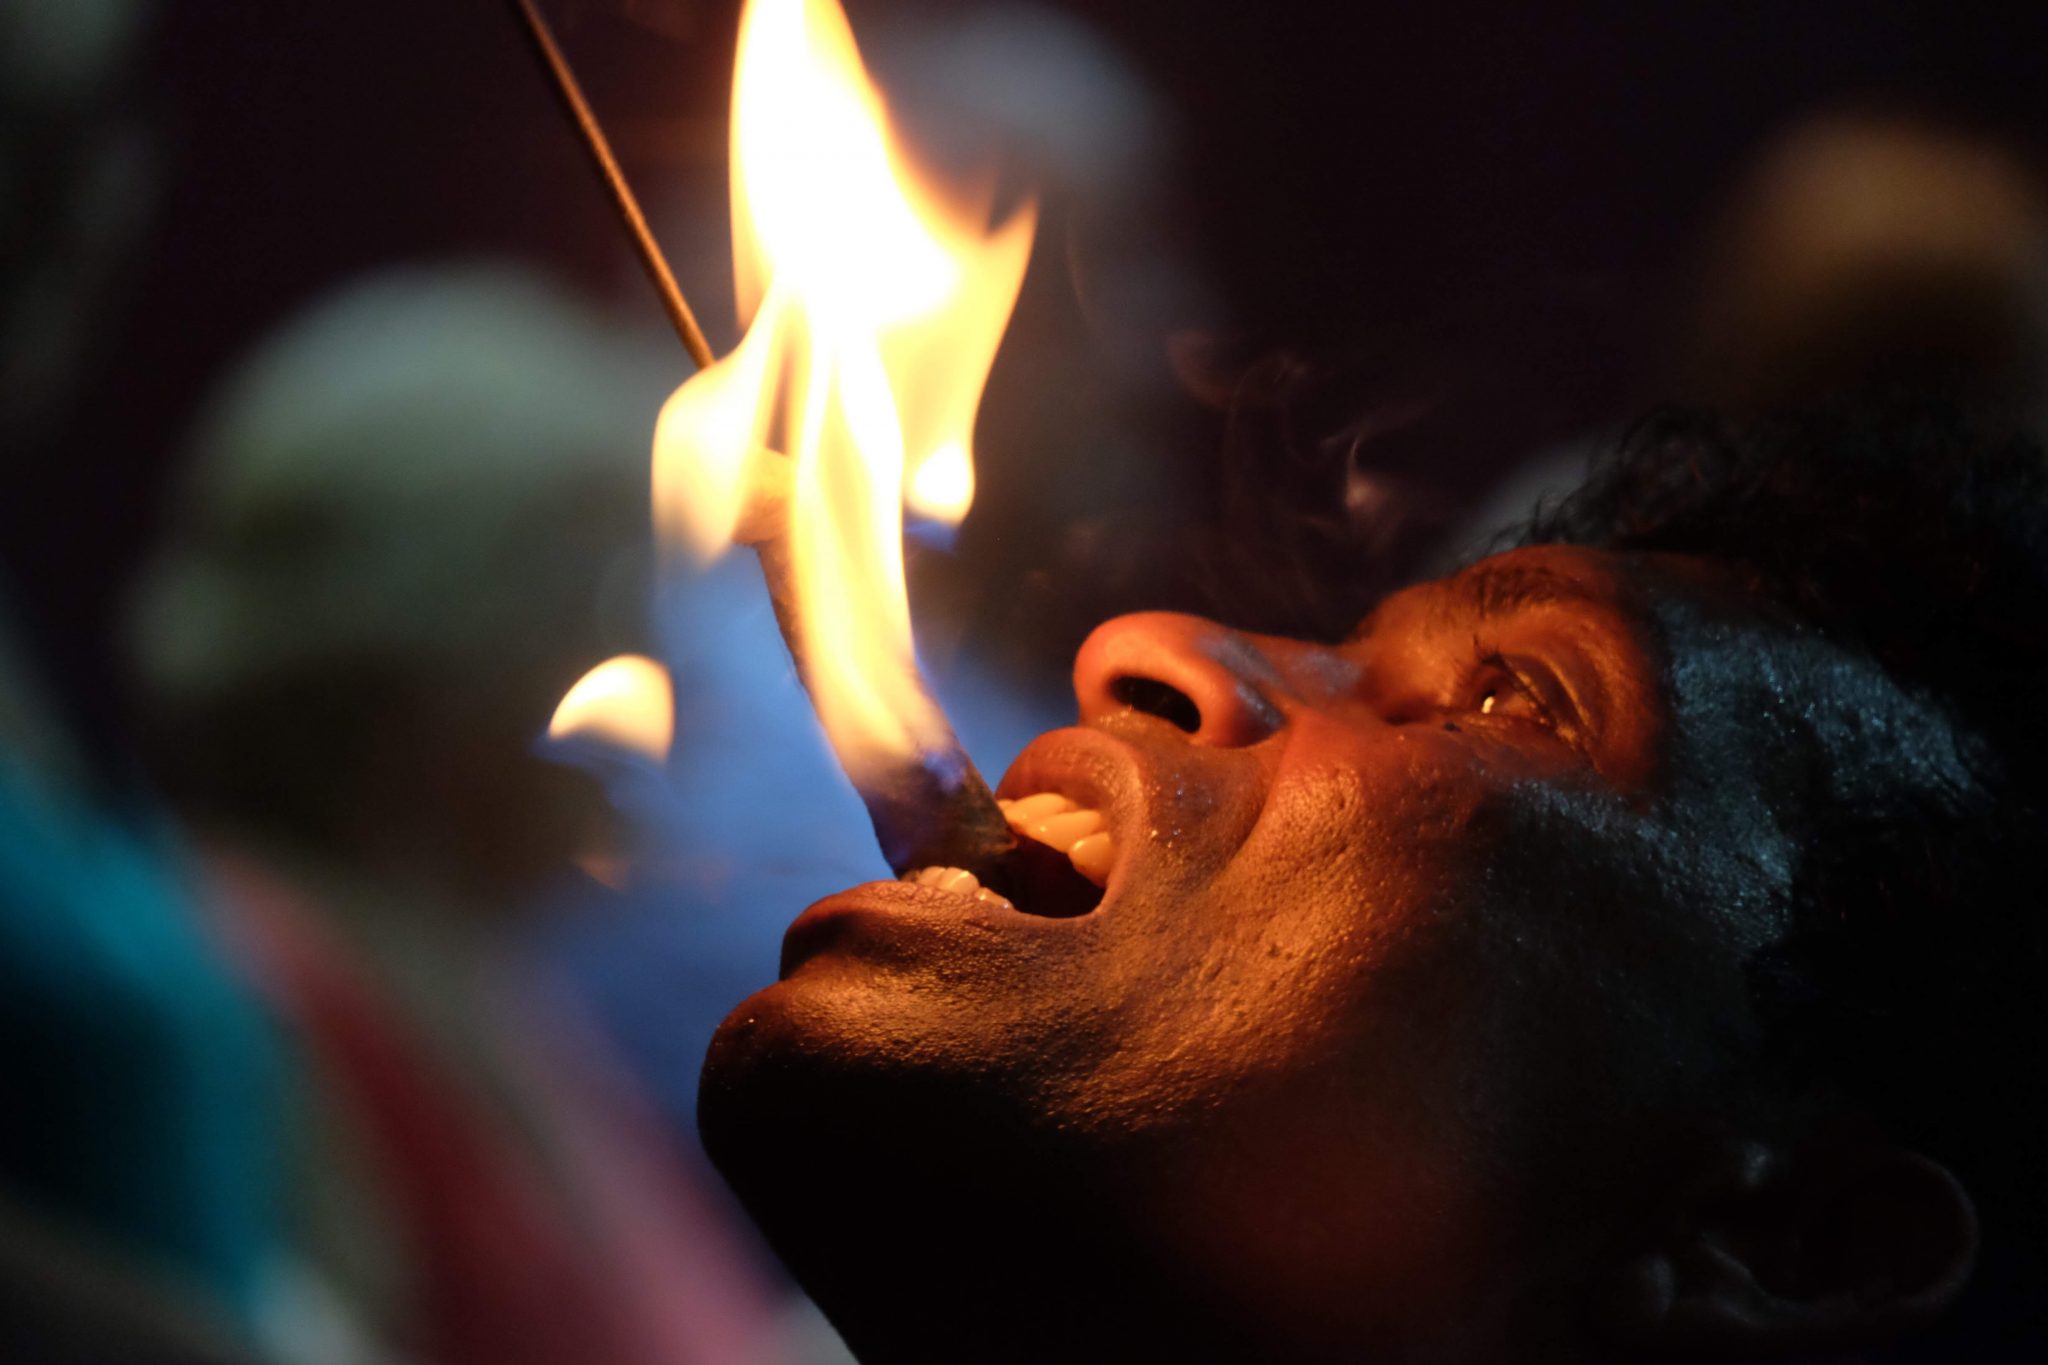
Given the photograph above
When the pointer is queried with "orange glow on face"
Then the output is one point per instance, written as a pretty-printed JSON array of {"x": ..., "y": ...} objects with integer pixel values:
[{"x": 874, "y": 305}]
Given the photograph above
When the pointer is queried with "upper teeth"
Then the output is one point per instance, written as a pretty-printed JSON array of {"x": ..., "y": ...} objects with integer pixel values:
[
  {"x": 1074, "y": 830},
  {"x": 1052, "y": 820}
]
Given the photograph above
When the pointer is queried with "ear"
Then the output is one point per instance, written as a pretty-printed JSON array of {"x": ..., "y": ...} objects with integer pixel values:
[{"x": 1841, "y": 1245}]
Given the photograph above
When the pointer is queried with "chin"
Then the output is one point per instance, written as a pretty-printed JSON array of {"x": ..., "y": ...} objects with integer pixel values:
[{"x": 925, "y": 1215}]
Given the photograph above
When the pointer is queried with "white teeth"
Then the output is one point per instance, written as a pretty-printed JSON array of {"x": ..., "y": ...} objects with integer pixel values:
[
  {"x": 1029, "y": 808},
  {"x": 1093, "y": 857},
  {"x": 959, "y": 881},
  {"x": 1059, "y": 823},
  {"x": 945, "y": 878},
  {"x": 1064, "y": 831},
  {"x": 1052, "y": 820}
]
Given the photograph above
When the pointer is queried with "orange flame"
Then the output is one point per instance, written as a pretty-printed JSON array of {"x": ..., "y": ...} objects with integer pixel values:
[
  {"x": 875, "y": 303},
  {"x": 624, "y": 702}
]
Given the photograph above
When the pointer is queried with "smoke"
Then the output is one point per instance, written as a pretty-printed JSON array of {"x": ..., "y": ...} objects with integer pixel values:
[{"x": 1321, "y": 506}]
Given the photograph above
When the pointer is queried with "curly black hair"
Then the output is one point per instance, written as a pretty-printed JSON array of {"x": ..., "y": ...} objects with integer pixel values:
[{"x": 1915, "y": 983}]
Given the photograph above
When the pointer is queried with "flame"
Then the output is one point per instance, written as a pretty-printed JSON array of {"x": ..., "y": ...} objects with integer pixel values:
[
  {"x": 874, "y": 303},
  {"x": 942, "y": 485},
  {"x": 624, "y": 702}
]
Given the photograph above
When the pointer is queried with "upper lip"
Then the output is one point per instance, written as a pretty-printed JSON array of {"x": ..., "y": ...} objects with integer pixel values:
[{"x": 1088, "y": 767}]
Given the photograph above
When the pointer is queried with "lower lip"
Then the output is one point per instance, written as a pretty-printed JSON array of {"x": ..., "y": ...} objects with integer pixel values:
[{"x": 894, "y": 917}]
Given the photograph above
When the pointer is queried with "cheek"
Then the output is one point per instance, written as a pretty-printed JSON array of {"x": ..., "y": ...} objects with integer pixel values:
[
  {"x": 1459, "y": 941},
  {"x": 1340, "y": 1020},
  {"x": 1306, "y": 946},
  {"x": 1372, "y": 836}
]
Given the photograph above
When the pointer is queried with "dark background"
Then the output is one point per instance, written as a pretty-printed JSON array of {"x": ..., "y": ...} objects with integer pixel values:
[{"x": 1495, "y": 199}]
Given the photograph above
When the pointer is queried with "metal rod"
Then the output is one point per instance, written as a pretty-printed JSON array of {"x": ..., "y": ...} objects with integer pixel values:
[{"x": 542, "y": 40}]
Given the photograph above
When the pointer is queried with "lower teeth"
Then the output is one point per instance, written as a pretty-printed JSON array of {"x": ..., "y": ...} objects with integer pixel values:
[
  {"x": 959, "y": 881},
  {"x": 1059, "y": 869}
]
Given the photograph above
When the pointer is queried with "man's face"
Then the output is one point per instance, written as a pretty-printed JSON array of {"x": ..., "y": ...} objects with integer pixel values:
[{"x": 1408, "y": 944}]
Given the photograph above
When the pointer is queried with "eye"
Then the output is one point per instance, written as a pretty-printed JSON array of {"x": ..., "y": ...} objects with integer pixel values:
[{"x": 1505, "y": 691}]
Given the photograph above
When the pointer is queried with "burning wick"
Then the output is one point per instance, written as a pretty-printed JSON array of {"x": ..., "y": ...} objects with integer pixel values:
[
  {"x": 930, "y": 809},
  {"x": 874, "y": 304}
]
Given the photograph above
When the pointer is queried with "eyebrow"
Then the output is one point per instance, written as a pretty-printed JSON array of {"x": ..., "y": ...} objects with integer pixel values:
[
  {"x": 1490, "y": 590},
  {"x": 1497, "y": 590}
]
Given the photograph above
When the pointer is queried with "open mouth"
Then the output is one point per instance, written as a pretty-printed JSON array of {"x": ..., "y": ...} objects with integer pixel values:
[{"x": 1058, "y": 870}]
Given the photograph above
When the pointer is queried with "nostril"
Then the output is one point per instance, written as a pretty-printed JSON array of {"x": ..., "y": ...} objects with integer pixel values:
[
  {"x": 1159, "y": 699},
  {"x": 1219, "y": 687}
]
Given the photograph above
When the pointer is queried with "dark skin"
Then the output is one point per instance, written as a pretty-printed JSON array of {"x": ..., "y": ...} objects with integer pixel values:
[{"x": 1412, "y": 1025}]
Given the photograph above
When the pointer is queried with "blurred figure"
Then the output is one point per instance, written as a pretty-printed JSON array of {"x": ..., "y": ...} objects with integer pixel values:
[
  {"x": 412, "y": 523},
  {"x": 1876, "y": 254},
  {"x": 386, "y": 568},
  {"x": 1862, "y": 257},
  {"x": 137, "y": 1104},
  {"x": 73, "y": 189}
]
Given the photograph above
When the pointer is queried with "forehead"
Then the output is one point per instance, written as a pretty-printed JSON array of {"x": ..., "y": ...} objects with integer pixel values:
[{"x": 1513, "y": 582}]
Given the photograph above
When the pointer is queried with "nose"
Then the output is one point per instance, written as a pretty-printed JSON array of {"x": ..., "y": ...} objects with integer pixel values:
[{"x": 1216, "y": 684}]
